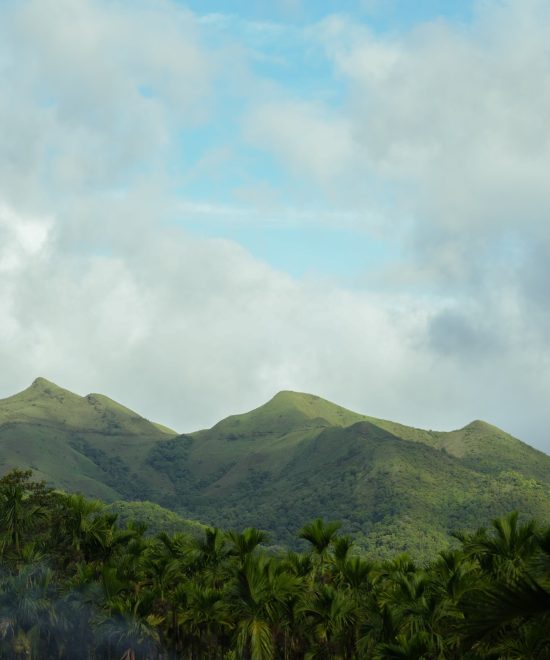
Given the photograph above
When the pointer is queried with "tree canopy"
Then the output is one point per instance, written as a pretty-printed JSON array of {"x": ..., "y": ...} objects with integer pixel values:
[{"x": 74, "y": 583}]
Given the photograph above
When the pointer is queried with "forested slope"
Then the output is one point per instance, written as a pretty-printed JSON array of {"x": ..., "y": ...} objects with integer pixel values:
[
  {"x": 74, "y": 584},
  {"x": 293, "y": 459}
]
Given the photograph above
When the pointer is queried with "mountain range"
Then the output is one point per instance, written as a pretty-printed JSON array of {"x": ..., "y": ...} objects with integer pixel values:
[{"x": 394, "y": 487}]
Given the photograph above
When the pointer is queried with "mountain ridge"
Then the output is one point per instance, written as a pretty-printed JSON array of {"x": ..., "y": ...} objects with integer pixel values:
[
  {"x": 294, "y": 458},
  {"x": 46, "y": 401}
]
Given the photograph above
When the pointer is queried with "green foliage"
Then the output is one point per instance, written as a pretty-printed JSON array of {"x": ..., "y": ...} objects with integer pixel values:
[
  {"x": 298, "y": 457},
  {"x": 76, "y": 584},
  {"x": 154, "y": 517}
]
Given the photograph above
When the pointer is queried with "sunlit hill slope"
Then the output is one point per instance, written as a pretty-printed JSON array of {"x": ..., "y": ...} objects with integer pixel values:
[{"x": 292, "y": 459}]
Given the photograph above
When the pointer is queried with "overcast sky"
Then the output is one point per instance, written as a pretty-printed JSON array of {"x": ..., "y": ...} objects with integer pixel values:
[{"x": 202, "y": 204}]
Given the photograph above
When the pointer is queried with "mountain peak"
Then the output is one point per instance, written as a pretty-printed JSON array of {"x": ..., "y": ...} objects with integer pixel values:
[
  {"x": 313, "y": 406},
  {"x": 41, "y": 383},
  {"x": 290, "y": 397},
  {"x": 480, "y": 425},
  {"x": 287, "y": 412},
  {"x": 42, "y": 389},
  {"x": 45, "y": 402}
]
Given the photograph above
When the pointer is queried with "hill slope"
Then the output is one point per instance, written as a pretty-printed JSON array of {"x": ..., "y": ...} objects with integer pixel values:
[
  {"x": 91, "y": 443},
  {"x": 276, "y": 467},
  {"x": 299, "y": 456}
]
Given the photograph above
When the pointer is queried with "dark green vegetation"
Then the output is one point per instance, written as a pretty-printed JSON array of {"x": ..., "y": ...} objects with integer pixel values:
[
  {"x": 76, "y": 586},
  {"x": 154, "y": 517},
  {"x": 395, "y": 488}
]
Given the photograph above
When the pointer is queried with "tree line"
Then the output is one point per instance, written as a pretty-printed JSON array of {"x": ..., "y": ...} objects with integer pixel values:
[{"x": 74, "y": 584}]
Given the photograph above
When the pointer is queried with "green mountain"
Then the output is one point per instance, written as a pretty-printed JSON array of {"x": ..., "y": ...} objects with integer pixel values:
[
  {"x": 295, "y": 458},
  {"x": 89, "y": 444}
]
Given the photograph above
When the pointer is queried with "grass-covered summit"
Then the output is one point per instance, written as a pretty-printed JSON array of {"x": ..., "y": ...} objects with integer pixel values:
[
  {"x": 286, "y": 412},
  {"x": 79, "y": 443},
  {"x": 295, "y": 458},
  {"x": 45, "y": 403}
]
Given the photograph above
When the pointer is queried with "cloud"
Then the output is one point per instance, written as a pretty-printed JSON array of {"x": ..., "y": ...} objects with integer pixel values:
[
  {"x": 20, "y": 238},
  {"x": 186, "y": 330},
  {"x": 454, "y": 116},
  {"x": 95, "y": 91},
  {"x": 308, "y": 140},
  {"x": 442, "y": 133}
]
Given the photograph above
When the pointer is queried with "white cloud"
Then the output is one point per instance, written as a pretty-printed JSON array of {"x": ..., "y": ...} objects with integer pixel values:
[
  {"x": 455, "y": 117},
  {"x": 100, "y": 292},
  {"x": 310, "y": 142},
  {"x": 185, "y": 330},
  {"x": 20, "y": 238},
  {"x": 92, "y": 93}
]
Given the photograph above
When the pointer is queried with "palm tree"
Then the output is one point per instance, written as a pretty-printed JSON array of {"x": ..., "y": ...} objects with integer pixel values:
[
  {"x": 332, "y": 617},
  {"x": 257, "y": 598},
  {"x": 298, "y": 564},
  {"x": 506, "y": 616},
  {"x": 415, "y": 647},
  {"x": 129, "y": 633},
  {"x": 79, "y": 522},
  {"x": 321, "y": 535},
  {"x": 27, "y": 612},
  {"x": 506, "y": 551},
  {"x": 244, "y": 543},
  {"x": 18, "y": 514},
  {"x": 210, "y": 555},
  {"x": 203, "y": 617}
]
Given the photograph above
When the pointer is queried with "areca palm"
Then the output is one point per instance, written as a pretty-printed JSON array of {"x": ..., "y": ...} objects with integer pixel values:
[
  {"x": 257, "y": 598},
  {"x": 419, "y": 611},
  {"x": 505, "y": 613},
  {"x": 203, "y": 617},
  {"x": 454, "y": 574},
  {"x": 127, "y": 623},
  {"x": 415, "y": 647},
  {"x": 131, "y": 559},
  {"x": 297, "y": 564},
  {"x": 357, "y": 578},
  {"x": 453, "y": 578},
  {"x": 356, "y": 573},
  {"x": 130, "y": 634},
  {"x": 80, "y": 524},
  {"x": 170, "y": 557},
  {"x": 80, "y": 607},
  {"x": 27, "y": 609},
  {"x": 210, "y": 555},
  {"x": 18, "y": 514},
  {"x": 245, "y": 542},
  {"x": 333, "y": 618},
  {"x": 507, "y": 550},
  {"x": 320, "y": 535}
]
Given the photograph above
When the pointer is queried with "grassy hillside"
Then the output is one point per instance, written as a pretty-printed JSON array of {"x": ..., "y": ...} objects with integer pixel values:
[
  {"x": 295, "y": 458},
  {"x": 155, "y": 517},
  {"x": 393, "y": 486},
  {"x": 286, "y": 412},
  {"x": 89, "y": 444}
]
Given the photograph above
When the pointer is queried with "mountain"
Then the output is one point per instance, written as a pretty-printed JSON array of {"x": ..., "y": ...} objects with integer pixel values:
[
  {"x": 89, "y": 444},
  {"x": 276, "y": 467},
  {"x": 393, "y": 486}
]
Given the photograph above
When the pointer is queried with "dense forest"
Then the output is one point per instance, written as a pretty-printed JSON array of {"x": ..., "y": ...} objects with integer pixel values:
[{"x": 75, "y": 583}]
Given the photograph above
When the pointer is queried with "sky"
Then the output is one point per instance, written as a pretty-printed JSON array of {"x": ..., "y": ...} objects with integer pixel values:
[{"x": 203, "y": 203}]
